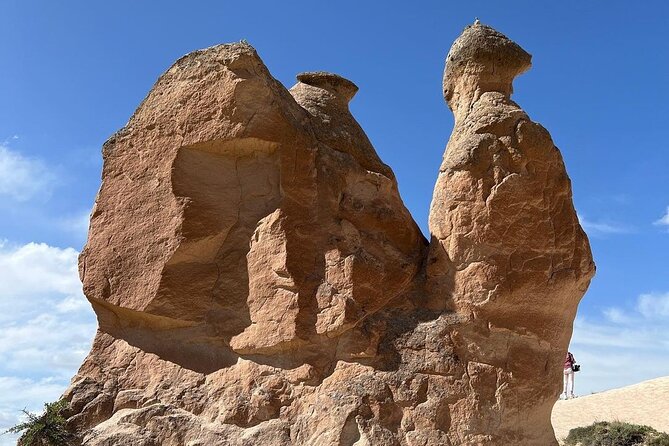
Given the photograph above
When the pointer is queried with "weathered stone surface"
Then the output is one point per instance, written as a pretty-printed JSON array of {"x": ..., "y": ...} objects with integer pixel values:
[
  {"x": 505, "y": 234},
  {"x": 258, "y": 280}
]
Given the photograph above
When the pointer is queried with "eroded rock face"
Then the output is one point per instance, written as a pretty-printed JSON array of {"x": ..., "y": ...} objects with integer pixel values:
[
  {"x": 258, "y": 280},
  {"x": 506, "y": 236}
]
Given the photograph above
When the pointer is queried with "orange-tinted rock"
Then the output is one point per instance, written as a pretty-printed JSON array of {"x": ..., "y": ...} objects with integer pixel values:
[
  {"x": 506, "y": 236},
  {"x": 258, "y": 280}
]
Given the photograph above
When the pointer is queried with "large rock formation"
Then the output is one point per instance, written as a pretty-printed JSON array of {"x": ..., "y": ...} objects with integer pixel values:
[{"x": 258, "y": 280}]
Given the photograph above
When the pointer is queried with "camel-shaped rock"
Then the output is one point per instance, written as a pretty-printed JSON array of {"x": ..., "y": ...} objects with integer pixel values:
[{"x": 258, "y": 280}]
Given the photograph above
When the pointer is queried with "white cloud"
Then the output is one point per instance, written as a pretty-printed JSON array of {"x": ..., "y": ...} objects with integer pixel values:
[
  {"x": 46, "y": 327},
  {"x": 72, "y": 304},
  {"x": 654, "y": 305},
  {"x": 626, "y": 346},
  {"x": 596, "y": 228},
  {"x": 56, "y": 343},
  {"x": 35, "y": 268},
  {"x": 616, "y": 315},
  {"x": 664, "y": 221},
  {"x": 22, "y": 178}
]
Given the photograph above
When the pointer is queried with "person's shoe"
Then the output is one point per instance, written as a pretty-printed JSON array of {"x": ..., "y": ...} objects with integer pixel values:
[
  {"x": 563, "y": 396},
  {"x": 572, "y": 396}
]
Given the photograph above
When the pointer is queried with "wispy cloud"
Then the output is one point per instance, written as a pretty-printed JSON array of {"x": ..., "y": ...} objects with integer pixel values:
[
  {"x": 46, "y": 327},
  {"x": 654, "y": 305},
  {"x": 47, "y": 345},
  {"x": 625, "y": 346},
  {"x": 616, "y": 315},
  {"x": 21, "y": 177},
  {"x": 596, "y": 228},
  {"x": 664, "y": 220},
  {"x": 76, "y": 224}
]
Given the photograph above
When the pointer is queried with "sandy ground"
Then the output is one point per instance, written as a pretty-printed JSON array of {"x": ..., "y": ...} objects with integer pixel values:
[{"x": 644, "y": 403}]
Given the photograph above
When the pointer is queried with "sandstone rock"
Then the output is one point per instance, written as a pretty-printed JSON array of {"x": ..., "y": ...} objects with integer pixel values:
[
  {"x": 258, "y": 280},
  {"x": 506, "y": 235}
]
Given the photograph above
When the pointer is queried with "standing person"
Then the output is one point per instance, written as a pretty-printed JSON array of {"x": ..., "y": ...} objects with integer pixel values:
[{"x": 569, "y": 376}]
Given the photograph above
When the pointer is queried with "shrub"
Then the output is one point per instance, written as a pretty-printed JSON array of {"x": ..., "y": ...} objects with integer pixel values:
[
  {"x": 616, "y": 434},
  {"x": 47, "y": 429}
]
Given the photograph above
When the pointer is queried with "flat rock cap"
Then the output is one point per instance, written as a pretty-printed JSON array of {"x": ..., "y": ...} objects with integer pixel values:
[
  {"x": 486, "y": 54},
  {"x": 482, "y": 44},
  {"x": 337, "y": 85}
]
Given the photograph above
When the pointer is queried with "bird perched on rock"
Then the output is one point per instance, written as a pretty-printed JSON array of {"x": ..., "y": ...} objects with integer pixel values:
[{"x": 477, "y": 21}]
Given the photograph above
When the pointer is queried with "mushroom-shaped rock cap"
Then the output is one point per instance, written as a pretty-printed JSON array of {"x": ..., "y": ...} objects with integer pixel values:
[
  {"x": 340, "y": 87},
  {"x": 483, "y": 59}
]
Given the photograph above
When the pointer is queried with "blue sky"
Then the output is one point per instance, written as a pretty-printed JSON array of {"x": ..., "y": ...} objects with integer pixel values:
[{"x": 73, "y": 72}]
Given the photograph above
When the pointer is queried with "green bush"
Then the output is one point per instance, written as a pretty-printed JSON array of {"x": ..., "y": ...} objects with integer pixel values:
[
  {"x": 616, "y": 434},
  {"x": 47, "y": 429}
]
